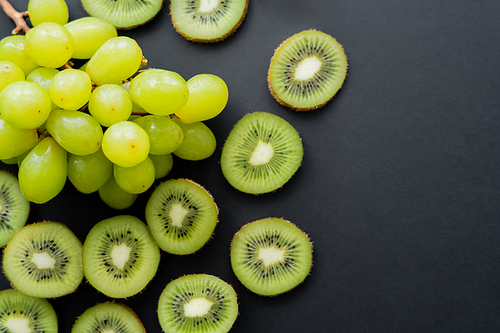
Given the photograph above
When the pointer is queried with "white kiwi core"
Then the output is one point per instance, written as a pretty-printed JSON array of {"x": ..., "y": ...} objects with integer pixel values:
[
  {"x": 208, "y": 5},
  {"x": 43, "y": 260},
  {"x": 197, "y": 307},
  {"x": 18, "y": 325},
  {"x": 262, "y": 153},
  {"x": 307, "y": 68},
  {"x": 120, "y": 255},
  {"x": 177, "y": 214},
  {"x": 271, "y": 255}
]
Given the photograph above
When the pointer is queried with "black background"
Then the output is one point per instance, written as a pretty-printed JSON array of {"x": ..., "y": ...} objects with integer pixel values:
[{"x": 399, "y": 186}]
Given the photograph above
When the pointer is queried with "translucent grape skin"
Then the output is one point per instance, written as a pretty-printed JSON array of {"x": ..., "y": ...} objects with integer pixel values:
[
  {"x": 199, "y": 141},
  {"x": 70, "y": 89},
  {"x": 163, "y": 164},
  {"x": 88, "y": 173},
  {"x": 109, "y": 104},
  {"x": 165, "y": 136},
  {"x": 12, "y": 49},
  {"x": 48, "y": 11},
  {"x": 137, "y": 179},
  {"x": 208, "y": 96},
  {"x": 126, "y": 144},
  {"x": 49, "y": 44},
  {"x": 89, "y": 34},
  {"x": 15, "y": 141},
  {"x": 42, "y": 76},
  {"x": 9, "y": 73},
  {"x": 43, "y": 172},
  {"x": 114, "y": 196}
]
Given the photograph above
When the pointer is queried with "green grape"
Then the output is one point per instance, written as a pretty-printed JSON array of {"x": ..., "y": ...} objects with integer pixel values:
[
  {"x": 21, "y": 157},
  {"x": 114, "y": 196},
  {"x": 89, "y": 34},
  {"x": 136, "y": 179},
  {"x": 12, "y": 160},
  {"x": 165, "y": 135},
  {"x": 163, "y": 164},
  {"x": 126, "y": 144},
  {"x": 70, "y": 89},
  {"x": 159, "y": 91},
  {"x": 198, "y": 143},
  {"x": 25, "y": 104},
  {"x": 9, "y": 73},
  {"x": 115, "y": 61},
  {"x": 77, "y": 132},
  {"x": 135, "y": 107},
  {"x": 88, "y": 173},
  {"x": 48, "y": 11},
  {"x": 43, "y": 172},
  {"x": 109, "y": 104},
  {"x": 49, "y": 44},
  {"x": 12, "y": 49},
  {"x": 42, "y": 76},
  {"x": 208, "y": 96},
  {"x": 15, "y": 141}
]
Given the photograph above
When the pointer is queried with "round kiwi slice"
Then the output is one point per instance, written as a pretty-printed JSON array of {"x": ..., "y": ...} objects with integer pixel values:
[
  {"x": 124, "y": 14},
  {"x": 22, "y": 313},
  {"x": 108, "y": 317},
  {"x": 44, "y": 260},
  {"x": 197, "y": 303},
  {"x": 307, "y": 70},
  {"x": 261, "y": 153},
  {"x": 181, "y": 215},
  {"x": 271, "y": 256},
  {"x": 14, "y": 207},
  {"x": 119, "y": 256},
  {"x": 207, "y": 20}
]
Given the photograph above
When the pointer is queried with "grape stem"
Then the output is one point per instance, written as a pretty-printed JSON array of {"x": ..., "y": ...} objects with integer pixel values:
[{"x": 17, "y": 17}]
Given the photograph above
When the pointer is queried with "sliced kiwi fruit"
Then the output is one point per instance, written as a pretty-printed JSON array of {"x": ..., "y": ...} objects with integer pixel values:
[
  {"x": 44, "y": 260},
  {"x": 108, "y": 317},
  {"x": 181, "y": 215},
  {"x": 124, "y": 14},
  {"x": 197, "y": 303},
  {"x": 119, "y": 256},
  {"x": 261, "y": 153},
  {"x": 22, "y": 313},
  {"x": 207, "y": 21},
  {"x": 14, "y": 207},
  {"x": 307, "y": 70},
  {"x": 271, "y": 256}
]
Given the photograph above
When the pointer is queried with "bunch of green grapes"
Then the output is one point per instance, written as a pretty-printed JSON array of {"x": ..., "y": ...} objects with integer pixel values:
[{"x": 107, "y": 127}]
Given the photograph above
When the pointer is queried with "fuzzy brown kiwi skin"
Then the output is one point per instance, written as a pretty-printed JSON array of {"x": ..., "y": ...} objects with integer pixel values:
[{"x": 214, "y": 40}]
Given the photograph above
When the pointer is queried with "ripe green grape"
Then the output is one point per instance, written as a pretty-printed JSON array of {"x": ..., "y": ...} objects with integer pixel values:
[
  {"x": 159, "y": 91},
  {"x": 199, "y": 142},
  {"x": 88, "y": 173},
  {"x": 77, "y": 132},
  {"x": 208, "y": 96},
  {"x": 25, "y": 104},
  {"x": 114, "y": 196},
  {"x": 48, "y": 11},
  {"x": 9, "y": 73},
  {"x": 43, "y": 172},
  {"x": 89, "y": 34},
  {"x": 12, "y": 49},
  {"x": 126, "y": 144},
  {"x": 115, "y": 61},
  {"x": 15, "y": 141},
  {"x": 42, "y": 76},
  {"x": 136, "y": 179},
  {"x": 165, "y": 135},
  {"x": 163, "y": 164},
  {"x": 49, "y": 44},
  {"x": 70, "y": 89},
  {"x": 109, "y": 104}
]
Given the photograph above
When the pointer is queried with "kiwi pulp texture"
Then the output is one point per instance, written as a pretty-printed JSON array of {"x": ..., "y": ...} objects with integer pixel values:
[
  {"x": 108, "y": 317},
  {"x": 14, "y": 208}
]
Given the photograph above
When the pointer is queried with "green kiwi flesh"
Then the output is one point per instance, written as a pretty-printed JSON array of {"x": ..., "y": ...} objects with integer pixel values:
[
  {"x": 108, "y": 317},
  {"x": 181, "y": 216},
  {"x": 14, "y": 207},
  {"x": 22, "y": 313},
  {"x": 307, "y": 70},
  {"x": 271, "y": 256},
  {"x": 207, "y": 20},
  {"x": 123, "y": 14},
  {"x": 261, "y": 153},
  {"x": 197, "y": 303},
  {"x": 119, "y": 256},
  {"x": 44, "y": 260}
]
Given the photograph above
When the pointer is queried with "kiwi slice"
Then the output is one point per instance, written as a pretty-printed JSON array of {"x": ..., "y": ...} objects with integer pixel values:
[
  {"x": 197, "y": 303},
  {"x": 14, "y": 207},
  {"x": 22, "y": 313},
  {"x": 207, "y": 21},
  {"x": 119, "y": 256},
  {"x": 108, "y": 317},
  {"x": 271, "y": 256},
  {"x": 44, "y": 260},
  {"x": 307, "y": 70},
  {"x": 124, "y": 14},
  {"x": 261, "y": 153},
  {"x": 181, "y": 215}
]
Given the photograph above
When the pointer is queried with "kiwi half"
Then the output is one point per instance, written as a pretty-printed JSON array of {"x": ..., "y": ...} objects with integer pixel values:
[
  {"x": 261, "y": 153},
  {"x": 44, "y": 260},
  {"x": 108, "y": 317},
  {"x": 119, "y": 256},
  {"x": 14, "y": 208},
  {"x": 124, "y": 14},
  {"x": 21, "y": 313},
  {"x": 271, "y": 256},
  {"x": 207, "y": 20},
  {"x": 181, "y": 215},
  {"x": 307, "y": 70},
  {"x": 197, "y": 303}
]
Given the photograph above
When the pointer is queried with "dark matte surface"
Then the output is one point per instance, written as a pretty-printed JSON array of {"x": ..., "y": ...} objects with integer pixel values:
[{"x": 399, "y": 187}]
